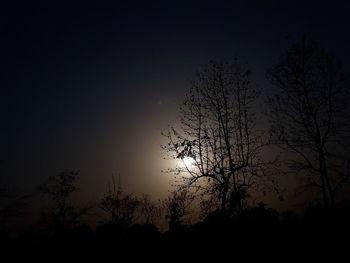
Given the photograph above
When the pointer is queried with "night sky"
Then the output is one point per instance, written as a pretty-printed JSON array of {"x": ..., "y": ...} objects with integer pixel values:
[{"x": 90, "y": 86}]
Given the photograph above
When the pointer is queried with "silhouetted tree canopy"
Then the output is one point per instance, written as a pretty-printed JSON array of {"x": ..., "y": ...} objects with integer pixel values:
[
  {"x": 218, "y": 132},
  {"x": 177, "y": 206},
  {"x": 308, "y": 114},
  {"x": 62, "y": 215},
  {"x": 150, "y": 211},
  {"x": 120, "y": 206}
]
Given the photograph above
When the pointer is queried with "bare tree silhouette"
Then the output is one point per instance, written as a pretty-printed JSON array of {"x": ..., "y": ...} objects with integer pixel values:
[
  {"x": 59, "y": 188},
  {"x": 177, "y": 206},
  {"x": 308, "y": 115},
  {"x": 120, "y": 206},
  {"x": 149, "y": 210},
  {"x": 217, "y": 142}
]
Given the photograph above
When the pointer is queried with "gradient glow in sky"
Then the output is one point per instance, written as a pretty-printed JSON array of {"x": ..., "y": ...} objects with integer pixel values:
[{"x": 89, "y": 86}]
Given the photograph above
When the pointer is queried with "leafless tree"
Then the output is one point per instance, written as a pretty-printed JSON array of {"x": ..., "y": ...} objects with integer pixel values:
[
  {"x": 177, "y": 205},
  {"x": 217, "y": 143},
  {"x": 150, "y": 211},
  {"x": 120, "y": 206},
  {"x": 308, "y": 115},
  {"x": 59, "y": 189}
]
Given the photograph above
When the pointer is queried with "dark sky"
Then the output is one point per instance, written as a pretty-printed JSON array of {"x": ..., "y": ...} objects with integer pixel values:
[{"x": 89, "y": 86}]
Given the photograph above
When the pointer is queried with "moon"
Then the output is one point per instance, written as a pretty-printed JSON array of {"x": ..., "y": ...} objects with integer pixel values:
[{"x": 188, "y": 161}]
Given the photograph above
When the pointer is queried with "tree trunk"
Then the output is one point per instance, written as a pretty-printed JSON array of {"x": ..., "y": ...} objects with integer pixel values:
[
  {"x": 224, "y": 198},
  {"x": 326, "y": 182}
]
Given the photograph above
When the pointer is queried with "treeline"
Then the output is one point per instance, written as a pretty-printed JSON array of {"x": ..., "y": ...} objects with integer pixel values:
[{"x": 132, "y": 224}]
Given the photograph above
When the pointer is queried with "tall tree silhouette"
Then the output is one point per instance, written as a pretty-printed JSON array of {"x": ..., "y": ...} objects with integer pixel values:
[
  {"x": 59, "y": 189},
  {"x": 308, "y": 115},
  {"x": 217, "y": 141},
  {"x": 149, "y": 210},
  {"x": 120, "y": 206},
  {"x": 177, "y": 206}
]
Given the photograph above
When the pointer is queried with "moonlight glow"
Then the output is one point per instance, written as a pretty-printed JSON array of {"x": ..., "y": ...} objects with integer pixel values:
[{"x": 188, "y": 161}]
